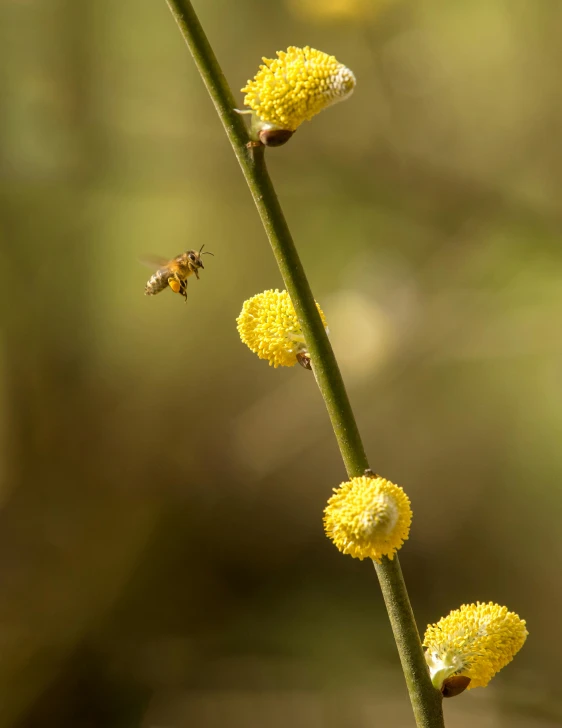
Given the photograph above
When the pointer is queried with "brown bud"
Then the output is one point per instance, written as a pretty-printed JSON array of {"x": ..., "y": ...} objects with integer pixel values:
[
  {"x": 303, "y": 358},
  {"x": 274, "y": 137},
  {"x": 454, "y": 685}
]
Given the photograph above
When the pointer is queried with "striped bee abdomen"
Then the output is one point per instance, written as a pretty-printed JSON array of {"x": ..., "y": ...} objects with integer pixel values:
[{"x": 157, "y": 282}]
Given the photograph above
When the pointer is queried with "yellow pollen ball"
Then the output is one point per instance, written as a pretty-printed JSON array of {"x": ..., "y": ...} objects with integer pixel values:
[
  {"x": 476, "y": 641},
  {"x": 296, "y": 86},
  {"x": 269, "y": 327},
  {"x": 368, "y": 518}
]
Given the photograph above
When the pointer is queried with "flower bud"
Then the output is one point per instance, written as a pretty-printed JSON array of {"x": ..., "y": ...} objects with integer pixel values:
[
  {"x": 269, "y": 327},
  {"x": 473, "y": 642},
  {"x": 293, "y": 88},
  {"x": 368, "y": 517}
]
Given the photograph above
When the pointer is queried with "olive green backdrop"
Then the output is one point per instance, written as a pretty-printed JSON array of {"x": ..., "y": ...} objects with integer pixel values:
[{"x": 162, "y": 559}]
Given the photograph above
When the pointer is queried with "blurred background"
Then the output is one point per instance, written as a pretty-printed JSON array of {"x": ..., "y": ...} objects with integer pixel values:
[{"x": 162, "y": 557}]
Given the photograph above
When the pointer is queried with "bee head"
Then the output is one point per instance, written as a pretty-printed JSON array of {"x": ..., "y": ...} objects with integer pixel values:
[
  {"x": 194, "y": 259},
  {"x": 200, "y": 253}
]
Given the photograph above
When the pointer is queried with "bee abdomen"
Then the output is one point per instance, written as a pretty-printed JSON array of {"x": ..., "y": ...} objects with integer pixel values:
[{"x": 156, "y": 283}]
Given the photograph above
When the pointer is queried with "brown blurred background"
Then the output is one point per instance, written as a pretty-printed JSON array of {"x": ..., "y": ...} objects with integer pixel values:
[{"x": 162, "y": 559}]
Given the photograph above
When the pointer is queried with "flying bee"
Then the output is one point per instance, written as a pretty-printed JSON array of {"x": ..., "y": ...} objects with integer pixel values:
[{"x": 174, "y": 273}]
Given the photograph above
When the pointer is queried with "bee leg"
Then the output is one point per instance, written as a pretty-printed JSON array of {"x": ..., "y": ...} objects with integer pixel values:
[
  {"x": 175, "y": 285},
  {"x": 183, "y": 288}
]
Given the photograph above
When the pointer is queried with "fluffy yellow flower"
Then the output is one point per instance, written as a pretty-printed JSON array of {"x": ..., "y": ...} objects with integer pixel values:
[
  {"x": 475, "y": 641},
  {"x": 269, "y": 327},
  {"x": 295, "y": 86},
  {"x": 368, "y": 517}
]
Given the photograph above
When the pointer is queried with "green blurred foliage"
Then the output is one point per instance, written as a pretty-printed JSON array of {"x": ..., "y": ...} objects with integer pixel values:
[{"x": 162, "y": 555}]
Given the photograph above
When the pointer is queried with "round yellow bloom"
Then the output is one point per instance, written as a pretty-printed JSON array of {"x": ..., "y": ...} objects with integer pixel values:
[
  {"x": 296, "y": 85},
  {"x": 269, "y": 327},
  {"x": 368, "y": 517},
  {"x": 476, "y": 641}
]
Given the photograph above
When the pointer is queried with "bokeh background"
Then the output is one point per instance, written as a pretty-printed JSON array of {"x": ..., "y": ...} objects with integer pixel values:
[{"x": 162, "y": 559}]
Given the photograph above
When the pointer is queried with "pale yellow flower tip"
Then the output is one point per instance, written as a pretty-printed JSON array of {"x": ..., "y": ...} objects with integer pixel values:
[
  {"x": 475, "y": 641},
  {"x": 368, "y": 517},
  {"x": 296, "y": 85},
  {"x": 269, "y": 327}
]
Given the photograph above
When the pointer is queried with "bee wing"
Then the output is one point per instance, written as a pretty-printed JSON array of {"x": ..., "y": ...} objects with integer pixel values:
[{"x": 154, "y": 261}]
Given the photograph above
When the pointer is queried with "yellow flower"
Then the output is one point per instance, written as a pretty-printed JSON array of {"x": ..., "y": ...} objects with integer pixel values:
[
  {"x": 269, "y": 327},
  {"x": 337, "y": 9},
  {"x": 476, "y": 641},
  {"x": 368, "y": 517},
  {"x": 295, "y": 86}
]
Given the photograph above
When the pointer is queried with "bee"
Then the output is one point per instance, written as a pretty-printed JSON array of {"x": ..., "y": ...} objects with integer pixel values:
[{"x": 174, "y": 273}]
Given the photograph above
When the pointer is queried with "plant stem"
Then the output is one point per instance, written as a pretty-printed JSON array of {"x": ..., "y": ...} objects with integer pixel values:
[
  {"x": 322, "y": 356},
  {"x": 253, "y": 166},
  {"x": 426, "y": 701}
]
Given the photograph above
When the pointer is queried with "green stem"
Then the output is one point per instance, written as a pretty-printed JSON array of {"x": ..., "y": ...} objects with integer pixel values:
[
  {"x": 426, "y": 701},
  {"x": 324, "y": 362}
]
